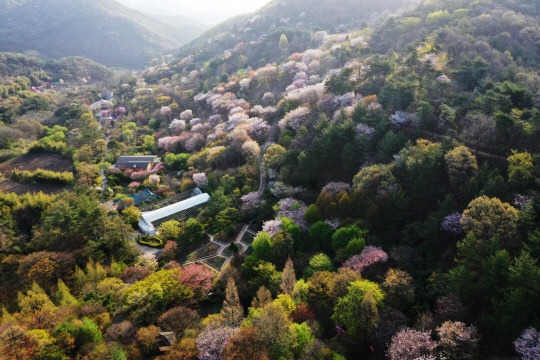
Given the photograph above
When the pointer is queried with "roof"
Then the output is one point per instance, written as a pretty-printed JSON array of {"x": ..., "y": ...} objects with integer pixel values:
[
  {"x": 140, "y": 197},
  {"x": 166, "y": 338},
  {"x": 152, "y": 216},
  {"x": 150, "y": 220},
  {"x": 137, "y": 161},
  {"x": 101, "y": 104}
]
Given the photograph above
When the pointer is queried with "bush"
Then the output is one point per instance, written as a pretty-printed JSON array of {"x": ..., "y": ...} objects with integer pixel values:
[
  {"x": 152, "y": 241},
  {"x": 43, "y": 177}
]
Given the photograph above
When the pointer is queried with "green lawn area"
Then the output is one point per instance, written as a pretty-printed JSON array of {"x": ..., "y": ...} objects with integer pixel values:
[
  {"x": 206, "y": 250},
  {"x": 229, "y": 252},
  {"x": 216, "y": 262},
  {"x": 248, "y": 238},
  {"x": 222, "y": 236}
]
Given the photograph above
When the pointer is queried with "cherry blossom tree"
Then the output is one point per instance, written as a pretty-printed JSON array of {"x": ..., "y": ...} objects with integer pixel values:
[
  {"x": 168, "y": 143},
  {"x": 197, "y": 277},
  {"x": 294, "y": 210},
  {"x": 366, "y": 130},
  {"x": 250, "y": 203},
  {"x": 251, "y": 149},
  {"x": 457, "y": 341},
  {"x": 177, "y": 126},
  {"x": 335, "y": 188},
  {"x": 295, "y": 119},
  {"x": 528, "y": 344},
  {"x": 200, "y": 179},
  {"x": 402, "y": 118},
  {"x": 194, "y": 143},
  {"x": 272, "y": 226},
  {"x": 369, "y": 256},
  {"x": 452, "y": 223},
  {"x": 186, "y": 115},
  {"x": 211, "y": 343},
  {"x": 410, "y": 344}
]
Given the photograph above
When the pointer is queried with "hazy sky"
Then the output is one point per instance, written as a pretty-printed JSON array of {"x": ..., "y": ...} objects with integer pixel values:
[{"x": 209, "y": 11}]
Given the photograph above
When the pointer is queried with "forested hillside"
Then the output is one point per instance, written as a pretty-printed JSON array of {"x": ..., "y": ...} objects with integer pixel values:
[
  {"x": 104, "y": 31},
  {"x": 374, "y": 194}
]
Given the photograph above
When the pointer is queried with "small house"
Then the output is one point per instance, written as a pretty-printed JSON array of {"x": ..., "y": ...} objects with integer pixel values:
[
  {"x": 137, "y": 162},
  {"x": 166, "y": 341}
]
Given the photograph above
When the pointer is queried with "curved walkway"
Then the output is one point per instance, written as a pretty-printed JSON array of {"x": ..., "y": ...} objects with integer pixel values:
[{"x": 220, "y": 251}]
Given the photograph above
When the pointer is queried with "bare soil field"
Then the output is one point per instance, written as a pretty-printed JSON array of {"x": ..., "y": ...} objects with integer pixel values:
[
  {"x": 32, "y": 162},
  {"x": 10, "y": 186}
]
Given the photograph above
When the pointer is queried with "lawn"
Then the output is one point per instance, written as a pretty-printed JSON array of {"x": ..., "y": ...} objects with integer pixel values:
[
  {"x": 222, "y": 237},
  {"x": 248, "y": 238},
  {"x": 216, "y": 262},
  {"x": 207, "y": 250}
]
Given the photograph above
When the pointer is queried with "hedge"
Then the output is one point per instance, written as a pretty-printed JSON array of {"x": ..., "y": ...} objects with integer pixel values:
[
  {"x": 151, "y": 241},
  {"x": 43, "y": 177}
]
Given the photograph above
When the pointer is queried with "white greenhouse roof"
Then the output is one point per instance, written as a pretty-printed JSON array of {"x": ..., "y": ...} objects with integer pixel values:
[{"x": 154, "y": 215}]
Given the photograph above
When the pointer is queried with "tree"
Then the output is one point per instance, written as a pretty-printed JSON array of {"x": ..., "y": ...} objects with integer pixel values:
[
  {"x": 457, "y": 341},
  {"x": 398, "y": 288},
  {"x": 283, "y": 43},
  {"x": 410, "y": 344},
  {"x": 358, "y": 311},
  {"x": 344, "y": 235},
  {"x": 390, "y": 322},
  {"x": 193, "y": 232},
  {"x": 470, "y": 72},
  {"x": 262, "y": 245},
  {"x": 303, "y": 336},
  {"x": 262, "y": 297},
  {"x": 319, "y": 262},
  {"x": 63, "y": 295},
  {"x": 178, "y": 319},
  {"x": 274, "y": 156},
  {"x": 520, "y": 169},
  {"x": 528, "y": 344},
  {"x": 16, "y": 344},
  {"x": 274, "y": 329},
  {"x": 320, "y": 234},
  {"x": 132, "y": 215},
  {"x": 245, "y": 344},
  {"x": 288, "y": 278},
  {"x": 211, "y": 343},
  {"x": 461, "y": 164},
  {"x": 369, "y": 314},
  {"x": 226, "y": 217},
  {"x": 487, "y": 217},
  {"x": 312, "y": 214},
  {"x": 232, "y": 310}
]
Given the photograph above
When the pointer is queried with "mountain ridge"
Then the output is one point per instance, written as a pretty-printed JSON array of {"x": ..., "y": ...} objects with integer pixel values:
[{"x": 104, "y": 31}]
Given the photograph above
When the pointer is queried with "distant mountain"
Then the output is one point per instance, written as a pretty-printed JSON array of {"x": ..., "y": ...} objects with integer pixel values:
[
  {"x": 292, "y": 18},
  {"x": 102, "y": 30},
  {"x": 190, "y": 28},
  {"x": 71, "y": 69}
]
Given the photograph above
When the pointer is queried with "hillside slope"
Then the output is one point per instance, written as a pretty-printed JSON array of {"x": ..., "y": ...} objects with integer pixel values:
[
  {"x": 104, "y": 31},
  {"x": 332, "y": 16}
]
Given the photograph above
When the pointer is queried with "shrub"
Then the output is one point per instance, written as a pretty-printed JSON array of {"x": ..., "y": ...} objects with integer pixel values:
[
  {"x": 43, "y": 177},
  {"x": 152, "y": 241}
]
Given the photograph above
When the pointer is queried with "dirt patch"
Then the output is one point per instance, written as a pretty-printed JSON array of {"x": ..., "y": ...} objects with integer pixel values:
[
  {"x": 10, "y": 186},
  {"x": 32, "y": 162}
]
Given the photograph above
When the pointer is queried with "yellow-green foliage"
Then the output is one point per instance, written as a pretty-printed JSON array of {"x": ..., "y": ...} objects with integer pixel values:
[
  {"x": 159, "y": 289},
  {"x": 43, "y": 177}
]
